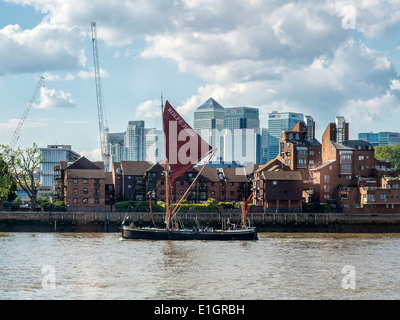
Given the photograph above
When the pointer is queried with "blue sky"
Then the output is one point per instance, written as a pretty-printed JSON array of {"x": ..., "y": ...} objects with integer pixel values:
[{"x": 319, "y": 58}]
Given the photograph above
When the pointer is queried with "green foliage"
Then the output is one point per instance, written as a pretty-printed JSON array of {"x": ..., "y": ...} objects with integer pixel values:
[
  {"x": 23, "y": 165},
  {"x": 389, "y": 153},
  {"x": 230, "y": 205},
  {"x": 144, "y": 206},
  {"x": 50, "y": 206},
  {"x": 8, "y": 188}
]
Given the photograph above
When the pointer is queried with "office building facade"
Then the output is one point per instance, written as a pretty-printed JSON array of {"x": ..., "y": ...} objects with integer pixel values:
[
  {"x": 277, "y": 124},
  {"x": 380, "y": 138}
]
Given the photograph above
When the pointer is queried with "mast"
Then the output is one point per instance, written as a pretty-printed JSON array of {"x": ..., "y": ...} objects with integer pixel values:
[{"x": 166, "y": 174}]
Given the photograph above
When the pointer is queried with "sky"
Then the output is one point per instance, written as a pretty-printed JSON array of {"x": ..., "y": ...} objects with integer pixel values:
[{"x": 319, "y": 58}]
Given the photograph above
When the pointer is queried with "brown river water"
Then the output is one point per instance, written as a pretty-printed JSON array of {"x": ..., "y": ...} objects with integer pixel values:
[{"x": 83, "y": 266}]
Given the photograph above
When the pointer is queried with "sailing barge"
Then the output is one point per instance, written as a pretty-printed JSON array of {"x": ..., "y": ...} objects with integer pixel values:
[{"x": 184, "y": 148}]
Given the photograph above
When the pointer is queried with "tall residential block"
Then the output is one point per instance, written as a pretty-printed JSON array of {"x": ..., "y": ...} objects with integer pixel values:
[{"x": 135, "y": 141}]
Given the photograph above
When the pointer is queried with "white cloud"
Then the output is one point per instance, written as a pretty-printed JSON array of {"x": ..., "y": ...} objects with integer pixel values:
[
  {"x": 92, "y": 155},
  {"x": 53, "y": 99},
  {"x": 275, "y": 55},
  {"x": 43, "y": 48},
  {"x": 362, "y": 114},
  {"x": 148, "y": 109},
  {"x": 84, "y": 74}
]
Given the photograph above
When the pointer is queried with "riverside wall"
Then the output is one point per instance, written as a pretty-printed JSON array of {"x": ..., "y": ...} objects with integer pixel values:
[{"x": 264, "y": 222}]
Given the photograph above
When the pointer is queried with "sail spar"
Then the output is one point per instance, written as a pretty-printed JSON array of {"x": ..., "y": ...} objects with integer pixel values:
[{"x": 184, "y": 147}]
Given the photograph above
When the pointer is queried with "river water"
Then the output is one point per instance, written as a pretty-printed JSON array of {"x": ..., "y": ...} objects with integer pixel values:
[{"x": 84, "y": 266}]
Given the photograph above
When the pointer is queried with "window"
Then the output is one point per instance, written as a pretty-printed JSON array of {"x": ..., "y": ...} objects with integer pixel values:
[
  {"x": 129, "y": 177},
  {"x": 360, "y": 157},
  {"x": 182, "y": 183},
  {"x": 232, "y": 193},
  {"x": 311, "y": 153},
  {"x": 326, "y": 188},
  {"x": 85, "y": 190},
  {"x": 274, "y": 183},
  {"x": 85, "y": 200},
  {"x": 327, "y": 178},
  {"x": 85, "y": 181},
  {"x": 76, "y": 191},
  {"x": 75, "y": 182},
  {"x": 75, "y": 200},
  {"x": 96, "y": 200},
  {"x": 361, "y": 167}
]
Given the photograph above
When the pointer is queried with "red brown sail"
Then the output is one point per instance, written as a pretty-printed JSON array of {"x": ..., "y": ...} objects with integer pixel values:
[{"x": 184, "y": 147}]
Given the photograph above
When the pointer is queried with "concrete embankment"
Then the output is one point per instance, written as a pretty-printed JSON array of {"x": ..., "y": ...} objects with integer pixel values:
[{"x": 265, "y": 222}]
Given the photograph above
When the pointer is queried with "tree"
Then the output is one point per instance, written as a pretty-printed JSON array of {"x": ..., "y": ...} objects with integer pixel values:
[
  {"x": 24, "y": 165},
  {"x": 8, "y": 188},
  {"x": 389, "y": 153}
]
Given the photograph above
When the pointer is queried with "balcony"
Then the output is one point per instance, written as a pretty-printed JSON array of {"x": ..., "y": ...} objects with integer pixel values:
[
  {"x": 369, "y": 200},
  {"x": 139, "y": 189}
]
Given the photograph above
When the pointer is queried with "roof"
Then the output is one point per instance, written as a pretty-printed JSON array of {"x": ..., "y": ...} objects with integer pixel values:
[
  {"x": 83, "y": 163},
  {"x": 211, "y": 104},
  {"x": 85, "y": 173},
  {"x": 109, "y": 177},
  {"x": 235, "y": 174},
  {"x": 282, "y": 175},
  {"x": 135, "y": 168},
  {"x": 324, "y": 165},
  {"x": 353, "y": 145},
  {"x": 208, "y": 174},
  {"x": 274, "y": 164},
  {"x": 304, "y": 142}
]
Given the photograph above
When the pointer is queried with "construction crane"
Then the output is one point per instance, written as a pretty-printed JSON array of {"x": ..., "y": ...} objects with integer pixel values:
[
  {"x": 103, "y": 128},
  {"x": 17, "y": 131}
]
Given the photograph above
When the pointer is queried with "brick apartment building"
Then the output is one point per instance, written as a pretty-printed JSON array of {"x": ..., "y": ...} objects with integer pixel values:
[
  {"x": 81, "y": 185},
  {"x": 348, "y": 169},
  {"x": 277, "y": 188}
]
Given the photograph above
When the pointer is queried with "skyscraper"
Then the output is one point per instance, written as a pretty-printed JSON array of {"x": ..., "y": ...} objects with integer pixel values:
[
  {"x": 380, "y": 138},
  {"x": 135, "y": 142},
  {"x": 115, "y": 144},
  {"x": 242, "y": 118},
  {"x": 278, "y": 123},
  {"x": 209, "y": 123},
  {"x": 154, "y": 145},
  {"x": 242, "y": 129}
]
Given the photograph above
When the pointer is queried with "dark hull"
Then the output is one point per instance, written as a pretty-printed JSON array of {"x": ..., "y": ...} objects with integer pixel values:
[{"x": 187, "y": 234}]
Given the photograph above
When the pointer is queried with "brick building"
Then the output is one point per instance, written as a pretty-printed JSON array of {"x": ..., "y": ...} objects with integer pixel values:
[
  {"x": 81, "y": 185},
  {"x": 277, "y": 188},
  {"x": 347, "y": 166}
]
